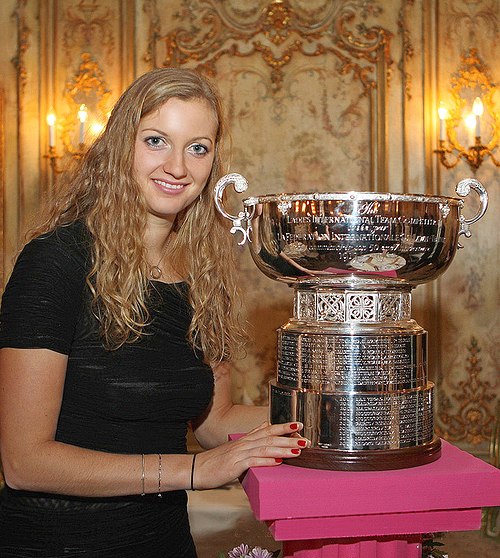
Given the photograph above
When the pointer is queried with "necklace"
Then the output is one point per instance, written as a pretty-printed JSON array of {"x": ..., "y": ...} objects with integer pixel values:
[{"x": 155, "y": 271}]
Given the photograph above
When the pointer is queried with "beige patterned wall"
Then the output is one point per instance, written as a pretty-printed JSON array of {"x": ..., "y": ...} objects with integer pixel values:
[
  {"x": 468, "y": 294},
  {"x": 320, "y": 95}
]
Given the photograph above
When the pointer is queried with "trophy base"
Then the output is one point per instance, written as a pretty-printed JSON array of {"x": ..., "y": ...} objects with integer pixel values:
[{"x": 368, "y": 460}]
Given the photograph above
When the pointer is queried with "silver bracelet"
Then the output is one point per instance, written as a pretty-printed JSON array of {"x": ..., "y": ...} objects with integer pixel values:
[
  {"x": 143, "y": 477},
  {"x": 159, "y": 475}
]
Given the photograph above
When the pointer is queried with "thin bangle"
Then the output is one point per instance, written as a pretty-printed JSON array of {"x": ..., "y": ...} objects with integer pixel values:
[
  {"x": 159, "y": 475},
  {"x": 192, "y": 471},
  {"x": 143, "y": 477}
]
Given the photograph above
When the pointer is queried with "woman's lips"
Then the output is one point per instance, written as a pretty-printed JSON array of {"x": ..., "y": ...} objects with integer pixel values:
[{"x": 169, "y": 186}]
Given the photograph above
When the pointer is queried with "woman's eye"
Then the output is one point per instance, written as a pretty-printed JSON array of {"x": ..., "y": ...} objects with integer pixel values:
[
  {"x": 155, "y": 141},
  {"x": 198, "y": 149}
]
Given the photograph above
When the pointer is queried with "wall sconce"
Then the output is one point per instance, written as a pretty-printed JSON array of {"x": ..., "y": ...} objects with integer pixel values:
[
  {"x": 53, "y": 155},
  {"x": 86, "y": 96},
  {"x": 469, "y": 117}
]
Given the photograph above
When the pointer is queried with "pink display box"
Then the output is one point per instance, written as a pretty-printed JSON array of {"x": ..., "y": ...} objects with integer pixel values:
[{"x": 372, "y": 514}]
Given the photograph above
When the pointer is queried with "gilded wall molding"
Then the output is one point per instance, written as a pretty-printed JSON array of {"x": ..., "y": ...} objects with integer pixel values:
[
  {"x": 23, "y": 44},
  {"x": 408, "y": 49},
  {"x": 465, "y": 415},
  {"x": 86, "y": 35},
  {"x": 19, "y": 61},
  {"x": 278, "y": 32},
  {"x": 466, "y": 18},
  {"x": 338, "y": 47},
  {"x": 88, "y": 24},
  {"x": 154, "y": 31}
]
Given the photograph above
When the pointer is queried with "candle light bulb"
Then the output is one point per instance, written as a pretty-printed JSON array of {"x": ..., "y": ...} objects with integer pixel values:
[
  {"x": 51, "y": 118},
  {"x": 82, "y": 117},
  {"x": 442, "y": 111},
  {"x": 443, "y": 115},
  {"x": 477, "y": 107},
  {"x": 470, "y": 123},
  {"x": 82, "y": 114},
  {"x": 51, "y": 121},
  {"x": 477, "y": 110}
]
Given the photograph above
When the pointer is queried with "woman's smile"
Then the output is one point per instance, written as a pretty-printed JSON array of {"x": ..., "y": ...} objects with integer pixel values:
[{"x": 169, "y": 187}]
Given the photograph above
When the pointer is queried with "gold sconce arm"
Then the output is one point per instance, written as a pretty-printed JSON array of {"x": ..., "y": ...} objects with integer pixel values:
[
  {"x": 53, "y": 158},
  {"x": 474, "y": 156}
]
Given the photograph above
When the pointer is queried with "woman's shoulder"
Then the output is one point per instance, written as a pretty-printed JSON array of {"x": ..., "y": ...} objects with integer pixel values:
[
  {"x": 44, "y": 293},
  {"x": 71, "y": 241},
  {"x": 70, "y": 236}
]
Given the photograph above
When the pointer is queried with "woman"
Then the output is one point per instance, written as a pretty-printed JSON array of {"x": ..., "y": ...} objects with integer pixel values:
[{"x": 117, "y": 328}]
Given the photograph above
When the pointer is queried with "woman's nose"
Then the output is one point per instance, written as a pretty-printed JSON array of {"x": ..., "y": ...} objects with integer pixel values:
[{"x": 175, "y": 164}]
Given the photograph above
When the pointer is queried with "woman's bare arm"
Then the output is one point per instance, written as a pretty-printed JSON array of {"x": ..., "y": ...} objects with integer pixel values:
[{"x": 31, "y": 387}]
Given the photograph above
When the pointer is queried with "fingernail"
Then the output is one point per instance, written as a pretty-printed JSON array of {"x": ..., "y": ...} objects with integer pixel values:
[
  {"x": 294, "y": 426},
  {"x": 295, "y": 451},
  {"x": 278, "y": 460},
  {"x": 302, "y": 443}
]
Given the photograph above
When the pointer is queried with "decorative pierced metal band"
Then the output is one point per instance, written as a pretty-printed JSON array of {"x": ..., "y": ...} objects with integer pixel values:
[{"x": 352, "y": 306}]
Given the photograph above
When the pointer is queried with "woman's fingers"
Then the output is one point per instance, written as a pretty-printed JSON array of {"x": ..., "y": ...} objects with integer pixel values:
[
  {"x": 276, "y": 440},
  {"x": 265, "y": 446},
  {"x": 284, "y": 429},
  {"x": 270, "y": 444}
]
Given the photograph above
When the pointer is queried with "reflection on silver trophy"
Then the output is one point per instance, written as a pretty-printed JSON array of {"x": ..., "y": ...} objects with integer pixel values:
[{"x": 352, "y": 363}]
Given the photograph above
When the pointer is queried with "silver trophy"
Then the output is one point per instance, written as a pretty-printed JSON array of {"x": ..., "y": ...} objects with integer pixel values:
[{"x": 352, "y": 363}]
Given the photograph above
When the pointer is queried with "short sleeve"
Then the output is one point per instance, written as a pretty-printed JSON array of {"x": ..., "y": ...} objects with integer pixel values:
[{"x": 42, "y": 300}]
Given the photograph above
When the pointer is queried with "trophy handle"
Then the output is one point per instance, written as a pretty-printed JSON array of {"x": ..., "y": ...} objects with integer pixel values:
[
  {"x": 463, "y": 189},
  {"x": 242, "y": 221}
]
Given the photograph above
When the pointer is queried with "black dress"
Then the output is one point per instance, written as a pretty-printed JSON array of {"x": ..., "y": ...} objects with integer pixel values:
[{"x": 137, "y": 399}]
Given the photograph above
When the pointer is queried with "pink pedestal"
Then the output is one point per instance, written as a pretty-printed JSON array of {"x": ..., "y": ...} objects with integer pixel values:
[{"x": 375, "y": 514}]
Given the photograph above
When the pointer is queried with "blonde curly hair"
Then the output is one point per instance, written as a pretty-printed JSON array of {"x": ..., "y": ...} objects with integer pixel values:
[{"x": 103, "y": 193}]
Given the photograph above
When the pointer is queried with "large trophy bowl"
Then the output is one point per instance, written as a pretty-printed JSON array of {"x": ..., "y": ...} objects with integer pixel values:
[{"x": 352, "y": 363}]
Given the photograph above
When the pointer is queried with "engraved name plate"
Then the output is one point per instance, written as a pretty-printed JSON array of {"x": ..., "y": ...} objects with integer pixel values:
[{"x": 360, "y": 362}]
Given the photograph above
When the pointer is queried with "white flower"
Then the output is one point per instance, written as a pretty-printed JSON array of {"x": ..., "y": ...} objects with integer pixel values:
[
  {"x": 259, "y": 552},
  {"x": 244, "y": 551},
  {"x": 241, "y": 551}
]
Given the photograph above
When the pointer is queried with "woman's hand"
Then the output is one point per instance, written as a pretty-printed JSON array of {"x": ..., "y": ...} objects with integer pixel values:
[{"x": 265, "y": 446}]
